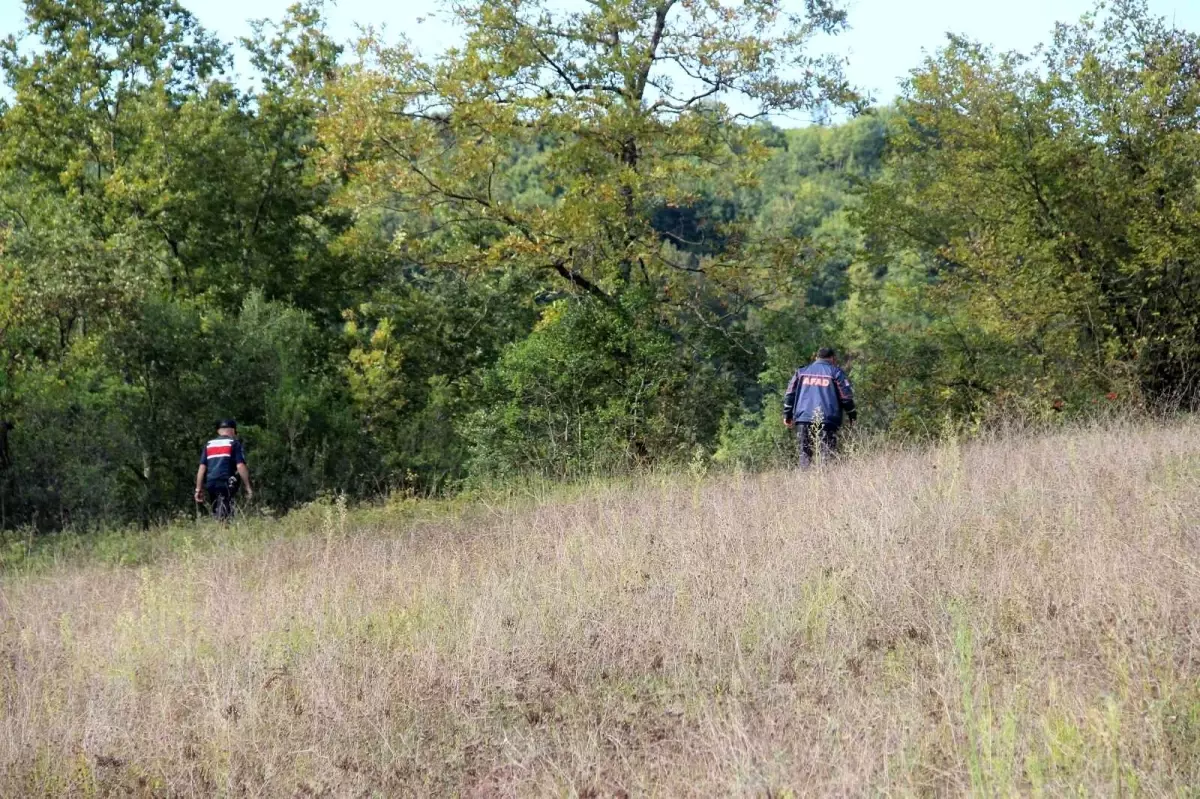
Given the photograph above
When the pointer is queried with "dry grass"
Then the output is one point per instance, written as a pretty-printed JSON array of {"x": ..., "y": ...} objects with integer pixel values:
[{"x": 1021, "y": 616}]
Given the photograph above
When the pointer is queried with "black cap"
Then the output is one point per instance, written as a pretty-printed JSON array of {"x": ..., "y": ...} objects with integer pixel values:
[{"x": 227, "y": 423}]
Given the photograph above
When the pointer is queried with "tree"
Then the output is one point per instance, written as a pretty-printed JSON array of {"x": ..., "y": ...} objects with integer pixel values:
[
  {"x": 122, "y": 109},
  {"x": 628, "y": 99},
  {"x": 1055, "y": 203},
  {"x": 99, "y": 99},
  {"x": 584, "y": 149},
  {"x": 280, "y": 223},
  {"x": 158, "y": 231}
]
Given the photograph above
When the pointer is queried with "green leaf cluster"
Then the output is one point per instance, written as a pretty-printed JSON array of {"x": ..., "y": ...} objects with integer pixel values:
[{"x": 1051, "y": 203}]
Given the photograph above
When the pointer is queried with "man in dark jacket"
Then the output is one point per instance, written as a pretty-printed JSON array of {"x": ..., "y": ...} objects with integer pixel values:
[
  {"x": 818, "y": 399},
  {"x": 222, "y": 470}
]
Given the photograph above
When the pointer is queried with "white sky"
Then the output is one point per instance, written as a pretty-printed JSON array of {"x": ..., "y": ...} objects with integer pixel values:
[{"x": 887, "y": 37}]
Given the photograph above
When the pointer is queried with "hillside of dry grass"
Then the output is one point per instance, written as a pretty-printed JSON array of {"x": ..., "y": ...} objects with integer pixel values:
[{"x": 1021, "y": 615}]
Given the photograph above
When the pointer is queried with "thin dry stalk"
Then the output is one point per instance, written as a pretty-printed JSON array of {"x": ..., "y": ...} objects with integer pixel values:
[{"x": 992, "y": 618}]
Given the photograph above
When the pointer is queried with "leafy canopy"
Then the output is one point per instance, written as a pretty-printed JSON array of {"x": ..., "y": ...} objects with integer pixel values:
[
  {"x": 1055, "y": 200},
  {"x": 632, "y": 104}
]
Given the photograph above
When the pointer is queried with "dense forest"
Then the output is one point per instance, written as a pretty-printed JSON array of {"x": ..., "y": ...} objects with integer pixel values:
[{"x": 575, "y": 243}]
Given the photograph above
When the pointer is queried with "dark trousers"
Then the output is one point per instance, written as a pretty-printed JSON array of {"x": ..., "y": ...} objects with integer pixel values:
[
  {"x": 220, "y": 499},
  {"x": 807, "y": 442}
]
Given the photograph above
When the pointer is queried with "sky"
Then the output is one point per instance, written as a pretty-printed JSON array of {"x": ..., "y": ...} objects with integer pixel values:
[{"x": 886, "y": 39}]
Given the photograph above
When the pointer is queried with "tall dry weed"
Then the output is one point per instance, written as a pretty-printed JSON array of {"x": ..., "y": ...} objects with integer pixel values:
[{"x": 1019, "y": 616}]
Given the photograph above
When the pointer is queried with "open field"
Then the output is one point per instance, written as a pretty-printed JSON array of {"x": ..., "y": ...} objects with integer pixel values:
[{"x": 1019, "y": 616}]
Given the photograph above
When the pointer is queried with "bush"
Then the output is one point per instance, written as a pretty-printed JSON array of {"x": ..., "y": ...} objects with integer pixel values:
[{"x": 591, "y": 390}]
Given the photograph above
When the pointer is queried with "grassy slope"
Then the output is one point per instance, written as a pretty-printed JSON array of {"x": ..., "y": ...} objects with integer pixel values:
[{"x": 1018, "y": 616}]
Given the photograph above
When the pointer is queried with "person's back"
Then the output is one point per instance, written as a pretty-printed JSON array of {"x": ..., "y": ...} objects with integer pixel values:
[
  {"x": 222, "y": 470},
  {"x": 221, "y": 455},
  {"x": 819, "y": 394}
]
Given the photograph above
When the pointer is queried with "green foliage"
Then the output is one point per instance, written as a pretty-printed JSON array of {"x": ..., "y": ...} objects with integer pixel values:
[
  {"x": 154, "y": 220},
  {"x": 412, "y": 352},
  {"x": 590, "y": 391},
  {"x": 567, "y": 148},
  {"x": 622, "y": 137},
  {"x": 753, "y": 435},
  {"x": 1054, "y": 206},
  {"x": 809, "y": 187},
  {"x": 112, "y": 428},
  {"x": 572, "y": 245}
]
